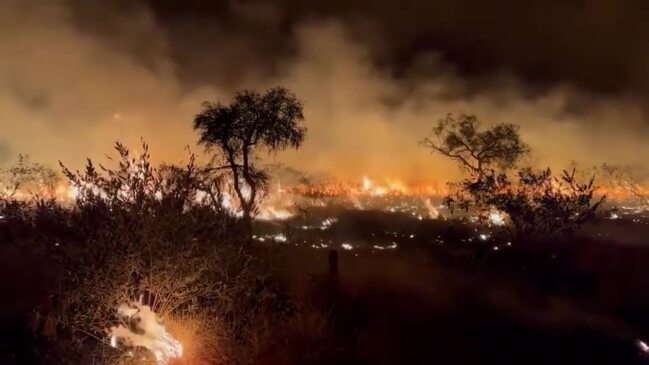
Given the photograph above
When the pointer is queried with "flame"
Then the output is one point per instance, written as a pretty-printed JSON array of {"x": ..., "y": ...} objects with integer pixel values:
[
  {"x": 366, "y": 184},
  {"x": 433, "y": 213},
  {"x": 281, "y": 200},
  {"x": 277, "y": 206},
  {"x": 142, "y": 328},
  {"x": 391, "y": 187},
  {"x": 497, "y": 218},
  {"x": 267, "y": 213},
  {"x": 356, "y": 202},
  {"x": 368, "y": 187}
]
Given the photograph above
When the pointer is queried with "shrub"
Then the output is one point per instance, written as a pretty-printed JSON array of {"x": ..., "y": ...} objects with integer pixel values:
[
  {"x": 159, "y": 234},
  {"x": 536, "y": 203}
]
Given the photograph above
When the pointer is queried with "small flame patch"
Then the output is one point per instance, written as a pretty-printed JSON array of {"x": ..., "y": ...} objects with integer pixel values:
[{"x": 142, "y": 328}]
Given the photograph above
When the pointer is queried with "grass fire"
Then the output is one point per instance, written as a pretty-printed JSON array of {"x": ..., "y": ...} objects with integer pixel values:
[{"x": 269, "y": 182}]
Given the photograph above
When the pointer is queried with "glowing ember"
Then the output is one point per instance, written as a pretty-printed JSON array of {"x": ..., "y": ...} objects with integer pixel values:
[
  {"x": 496, "y": 218},
  {"x": 280, "y": 238},
  {"x": 392, "y": 246},
  {"x": 142, "y": 328},
  {"x": 275, "y": 238},
  {"x": 326, "y": 224}
]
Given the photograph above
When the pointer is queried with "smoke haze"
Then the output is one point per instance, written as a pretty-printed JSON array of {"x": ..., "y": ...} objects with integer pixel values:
[{"x": 73, "y": 79}]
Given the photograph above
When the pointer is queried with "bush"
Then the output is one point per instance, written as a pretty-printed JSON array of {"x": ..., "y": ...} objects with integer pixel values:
[
  {"x": 533, "y": 202},
  {"x": 159, "y": 234},
  {"x": 536, "y": 203}
]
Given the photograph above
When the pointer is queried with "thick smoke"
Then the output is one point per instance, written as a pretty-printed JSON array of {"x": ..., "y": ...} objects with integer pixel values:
[
  {"x": 67, "y": 94},
  {"x": 73, "y": 79}
]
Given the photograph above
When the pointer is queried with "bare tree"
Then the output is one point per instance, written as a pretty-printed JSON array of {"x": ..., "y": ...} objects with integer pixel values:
[
  {"x": 250, "y": 124},
  {"x": 474, "y": 149}
]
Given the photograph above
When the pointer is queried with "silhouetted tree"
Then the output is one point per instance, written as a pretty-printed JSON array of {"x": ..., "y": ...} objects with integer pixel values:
[
  {"x": 474, "y": 149},
  {"x": 533, "y": 202},
  {"x": 250, "y": 124}
]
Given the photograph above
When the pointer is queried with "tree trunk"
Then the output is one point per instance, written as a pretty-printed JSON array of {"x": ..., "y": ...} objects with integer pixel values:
[{"x": 247, "y": 220}]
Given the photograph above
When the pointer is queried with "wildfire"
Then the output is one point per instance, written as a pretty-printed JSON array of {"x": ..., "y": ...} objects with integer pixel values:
[
  {"x": 267, "y": 213},
  {"x": 367, "y": 187},
  {"x": 391, "y": 187},
  {"x": 433, "y": 213},
  {"x": 142, "y": 328},
  {"x": 367, "y": 183},
  {"x": 282, "y": 201},
  {"x": 497, "y": 218}
]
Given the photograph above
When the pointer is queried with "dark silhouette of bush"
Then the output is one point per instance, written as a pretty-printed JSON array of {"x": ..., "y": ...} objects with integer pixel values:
[
  {"x": 536, "y": 202},
  {"x": 533, "y": 202},
  {"x": 161, "y": 234},
  {"x": 252, "y": 123}
]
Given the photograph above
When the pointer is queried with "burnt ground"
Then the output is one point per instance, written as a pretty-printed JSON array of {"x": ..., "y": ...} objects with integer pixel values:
[
  {"x": 427, "y": 291},
  {"x": 430, "y": 292}
]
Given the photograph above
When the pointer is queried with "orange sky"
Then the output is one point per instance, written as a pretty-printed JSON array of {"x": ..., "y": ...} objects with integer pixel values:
[{"x": 66, "y": 95}]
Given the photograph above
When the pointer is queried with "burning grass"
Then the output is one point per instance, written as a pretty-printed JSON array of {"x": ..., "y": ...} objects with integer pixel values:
[{"x": 142, "y": 329}]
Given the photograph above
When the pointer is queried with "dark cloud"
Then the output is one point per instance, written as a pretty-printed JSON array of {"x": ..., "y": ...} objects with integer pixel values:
[{"x": 597, "y": 45}]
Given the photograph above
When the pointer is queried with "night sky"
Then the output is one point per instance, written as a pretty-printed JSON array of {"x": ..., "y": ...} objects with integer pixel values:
[{"x": 374, "y": 75}]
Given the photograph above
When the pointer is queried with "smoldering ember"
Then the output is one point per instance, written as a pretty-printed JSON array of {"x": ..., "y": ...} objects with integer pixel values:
[{"x": 324, "y": 182}]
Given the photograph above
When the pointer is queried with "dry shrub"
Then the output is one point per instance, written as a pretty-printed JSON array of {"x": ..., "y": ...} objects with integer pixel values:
[
  {"x": 160, "y": 234},
  {"x": 534, "y": 203}
]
